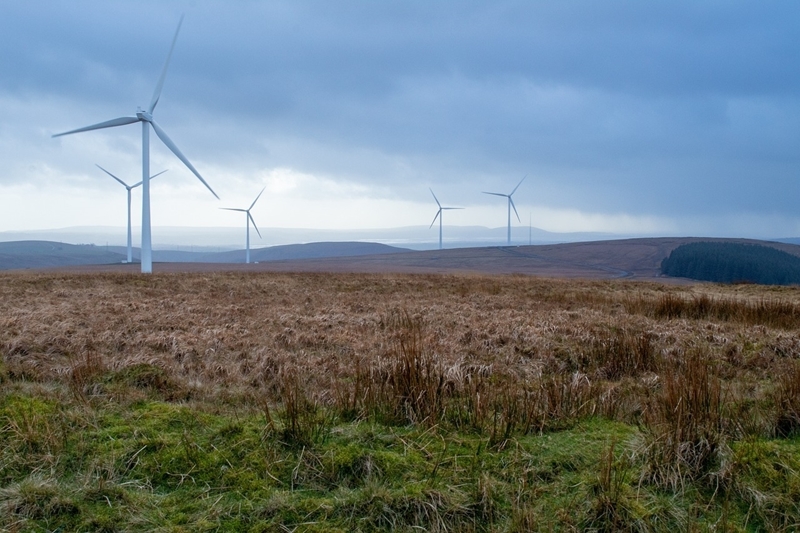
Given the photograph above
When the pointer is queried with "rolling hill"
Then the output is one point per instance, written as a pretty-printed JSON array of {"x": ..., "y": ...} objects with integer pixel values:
[
  {"x": 283, "y": 252},
  {"x": 46, "y": 254},
  {"x": 626, "y": 258}
]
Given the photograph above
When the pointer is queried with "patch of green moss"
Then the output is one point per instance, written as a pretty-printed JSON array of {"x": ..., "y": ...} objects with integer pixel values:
[{"x": 118, "y": 466}]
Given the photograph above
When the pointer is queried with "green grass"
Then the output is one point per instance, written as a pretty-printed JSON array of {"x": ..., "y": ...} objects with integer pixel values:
[
  {"x": 351, "y": 403},
  {"x": 153, "y": 465}
]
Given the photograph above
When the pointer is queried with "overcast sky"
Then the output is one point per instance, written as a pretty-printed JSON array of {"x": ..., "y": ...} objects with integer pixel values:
[{"x": 626, "y": 116}]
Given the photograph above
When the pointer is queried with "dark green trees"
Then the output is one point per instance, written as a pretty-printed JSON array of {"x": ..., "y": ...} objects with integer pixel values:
[{"x": 728, "y": 262}]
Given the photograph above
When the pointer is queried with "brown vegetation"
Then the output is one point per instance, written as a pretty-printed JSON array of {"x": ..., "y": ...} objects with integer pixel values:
[
  {"x": 695, "y": 367},
  {"x": 515, "y": 351}
]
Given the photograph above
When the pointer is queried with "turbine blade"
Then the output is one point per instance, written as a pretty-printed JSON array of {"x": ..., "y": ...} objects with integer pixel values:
[
  {"x": 434, "y": 197},
  {"x": 160, "y": 85},
  {"x": 439, "y": 212},
  {"x": 113, "y": 176},
  {"x": 254, "y": 223},
  {"x": 151, "y": 177},
  {"x": 518, "y": 184},
  {"x": 515, "y": 207},
  {"x": 121, "y": 121},
  {"x": 451, "y": 208},
  {"x": 233, "y": 209},
  {"x": 254, "y": 201},
  {"x": 496, "y": 194},
  {"x": 171, "y": 145}
]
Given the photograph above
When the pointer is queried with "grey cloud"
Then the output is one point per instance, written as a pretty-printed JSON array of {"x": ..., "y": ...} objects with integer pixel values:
[{"x": 644, "y": 107}]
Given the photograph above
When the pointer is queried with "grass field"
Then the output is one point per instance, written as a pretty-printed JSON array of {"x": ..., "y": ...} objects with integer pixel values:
[{"x": 357, "y": 402}]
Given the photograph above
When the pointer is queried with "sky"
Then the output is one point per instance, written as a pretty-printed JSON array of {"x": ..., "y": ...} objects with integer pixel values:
[{"x": 663, "y": 118}]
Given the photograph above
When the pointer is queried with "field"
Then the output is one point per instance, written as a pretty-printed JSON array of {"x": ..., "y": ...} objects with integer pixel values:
[{"x": 269, "y": 401}]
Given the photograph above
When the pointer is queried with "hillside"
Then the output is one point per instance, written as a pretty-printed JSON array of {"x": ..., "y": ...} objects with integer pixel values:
[
  {"x": 729, "y": 262},
  {"x": 282, "y": 252},
  {"x": 45, "y": 254},
  {"x": 628, "y": 258}
]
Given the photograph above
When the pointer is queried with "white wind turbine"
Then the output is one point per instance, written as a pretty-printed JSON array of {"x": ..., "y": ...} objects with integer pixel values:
[
  {"x": 510, "y": 205},
  {"x": 146, "y": 118},
  {"x": 439, "y": 216},
  {"x": 248, "y": 218},
  {"x": 129, "y": 188}
]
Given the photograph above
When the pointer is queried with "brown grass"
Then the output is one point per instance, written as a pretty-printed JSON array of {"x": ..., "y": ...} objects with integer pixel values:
[
  {"x": 500, "y": 355},
  {"x": 786, "y": 398},
  {"x": 684, "y": 426}
]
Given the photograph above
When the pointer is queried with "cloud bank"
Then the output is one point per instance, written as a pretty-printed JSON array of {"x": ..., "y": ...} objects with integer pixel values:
[{"x": 656, "y": 117}]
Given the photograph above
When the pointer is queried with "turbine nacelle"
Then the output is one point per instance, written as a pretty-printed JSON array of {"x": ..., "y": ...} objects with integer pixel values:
[{"x": 144, "y": 116}]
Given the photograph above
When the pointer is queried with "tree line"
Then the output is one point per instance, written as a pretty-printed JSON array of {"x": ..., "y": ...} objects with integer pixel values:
[{"x": 728, "y": 262}]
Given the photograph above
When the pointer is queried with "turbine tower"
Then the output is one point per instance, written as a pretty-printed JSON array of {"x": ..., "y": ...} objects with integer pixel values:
[
  {"x": 510, "y": 205},
  {"x": 129, "y": 188},
  {"x": 146, "y": 118},
  {"x": 439, "y": 216},
  {"x": 248, "y": 218}
]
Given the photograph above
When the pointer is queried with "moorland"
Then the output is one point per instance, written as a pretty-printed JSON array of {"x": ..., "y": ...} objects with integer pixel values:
[
  {"x": 274, "y": 401},
  {"x": 639, "y": 259}
]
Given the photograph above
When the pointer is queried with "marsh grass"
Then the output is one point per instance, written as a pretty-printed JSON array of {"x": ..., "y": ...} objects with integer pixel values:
[
  {"x": 304, "y": 422},
  {"x": 684, "y": 437},
  {"x": 415, "y": 379},
  {"x": 776, "y": 313},
  {"x": 386, "y": 402},
  {"x": 613, "y": 502},
  {"x": 786, "y": 400}
]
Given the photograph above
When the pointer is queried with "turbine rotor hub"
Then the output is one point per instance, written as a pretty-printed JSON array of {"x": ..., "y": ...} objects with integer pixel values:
[{"x": 144, "y": 115}]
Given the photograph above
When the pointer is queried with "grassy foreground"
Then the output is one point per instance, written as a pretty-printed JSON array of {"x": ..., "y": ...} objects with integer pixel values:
[{"x": 309, "y": 402}]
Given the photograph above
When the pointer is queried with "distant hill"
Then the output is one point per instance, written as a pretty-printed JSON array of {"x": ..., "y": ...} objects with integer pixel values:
[
  {"x": 732, "y": 262},
  {"x": 415, "y": 237},
  {"x": 46, "y": 254},
  {"x": 273, "y": 253},
  {"x": 625, "y": 258},
  {"x": 315, "y": 250}
]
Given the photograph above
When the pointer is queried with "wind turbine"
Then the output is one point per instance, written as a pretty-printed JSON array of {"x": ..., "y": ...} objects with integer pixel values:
[
  {"x": 146, "y": 118},
  {"x": 439, "y": 216},
  {"x": 129, "y": 188},
  {"x": 248, "y": 218},
  {"x": 510, "y": 205}
]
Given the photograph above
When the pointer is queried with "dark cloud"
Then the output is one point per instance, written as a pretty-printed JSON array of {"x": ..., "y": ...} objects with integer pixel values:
[{"x": 664, "y": 108}]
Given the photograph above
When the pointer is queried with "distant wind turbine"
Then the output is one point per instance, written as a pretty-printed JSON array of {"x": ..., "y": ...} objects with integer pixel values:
[
  {"x": 146, "y": 118},
  {"x": 248, "y": 218},
  {"x": 439, "y": 216},
  {"x": 510, "y": 205},
  {"x": 129, "y": 188}
]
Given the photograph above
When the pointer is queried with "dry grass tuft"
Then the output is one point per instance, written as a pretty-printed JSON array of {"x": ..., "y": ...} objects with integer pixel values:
[
  {"x": 415, "y": 380},
  {"x": 776, "y": 313},
  {"x": 684, "y": 425},
  {"x": 786, "y": 400}
]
